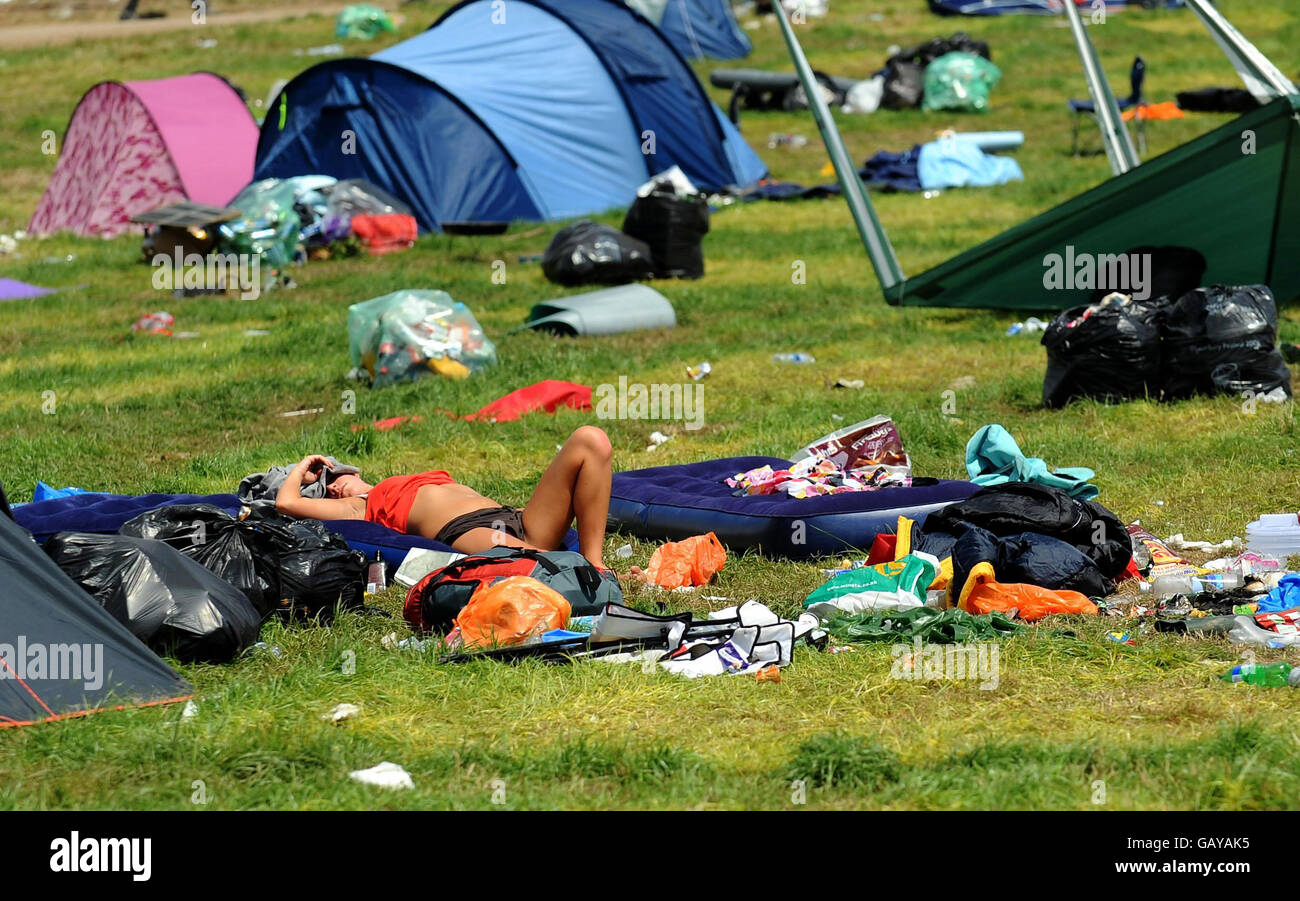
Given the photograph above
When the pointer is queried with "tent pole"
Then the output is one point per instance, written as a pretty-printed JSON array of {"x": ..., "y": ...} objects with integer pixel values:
[
  {"x": 874, "y": 239},
  {"x": 1263, "y": 79},
  {"x": 1114, "y": 134}
]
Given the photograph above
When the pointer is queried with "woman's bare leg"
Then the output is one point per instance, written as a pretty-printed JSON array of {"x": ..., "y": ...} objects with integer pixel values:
[{"x": 577, "y": 483}]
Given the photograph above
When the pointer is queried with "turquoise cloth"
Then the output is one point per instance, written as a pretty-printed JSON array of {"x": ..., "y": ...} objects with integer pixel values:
[{"x": 993, "y": 458}]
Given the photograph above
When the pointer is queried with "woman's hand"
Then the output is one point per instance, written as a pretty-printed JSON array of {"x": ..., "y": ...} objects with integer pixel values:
[{"x": 310, "y": 467}]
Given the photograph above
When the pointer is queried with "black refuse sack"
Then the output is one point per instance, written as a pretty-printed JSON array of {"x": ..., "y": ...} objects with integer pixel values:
[
  {"x": 236, "y": 551},
  {"x": 1221, "y": 339},
  {"x": 905, "y": 71},
  {"x": 904, "y": 85},
  {"x": 673, "y": 228},
  {"x": 289, "y": 566},
  {"x": 167, "y": 600},
  {"x": 586, "y": 253},
  {"x": 1217, "y": 100},
  {"x": 1113, "y": 354},
  {"x": 315, "y": 568},
  {"x": 928, "y": 52}
]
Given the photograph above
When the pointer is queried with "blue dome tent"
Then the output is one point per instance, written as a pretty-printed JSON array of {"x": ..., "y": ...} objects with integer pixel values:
[
  {"x": 536, "y": 109},
  {"x": 697, "y": 28}
]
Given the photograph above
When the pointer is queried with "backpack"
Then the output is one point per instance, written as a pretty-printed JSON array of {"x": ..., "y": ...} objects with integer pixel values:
[{"x": 437, "y": 599}]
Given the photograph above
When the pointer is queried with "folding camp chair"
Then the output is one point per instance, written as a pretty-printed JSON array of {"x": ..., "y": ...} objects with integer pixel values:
[{"x": 1136, "y": 76}]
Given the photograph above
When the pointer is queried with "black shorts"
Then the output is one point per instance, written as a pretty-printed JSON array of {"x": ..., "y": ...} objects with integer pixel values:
[{"x": 509, "y": 520}]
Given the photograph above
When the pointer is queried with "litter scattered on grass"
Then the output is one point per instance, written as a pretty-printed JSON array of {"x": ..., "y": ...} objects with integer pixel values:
[
  {"x": 384, "y": 775},
  {"x": 340, "y": 713}
]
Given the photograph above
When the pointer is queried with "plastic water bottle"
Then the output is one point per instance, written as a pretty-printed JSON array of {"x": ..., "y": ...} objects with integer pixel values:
[
  {"x": 793, "y": 358},
  {"x": 1271, "y": 674},
  {"x": 1168, "y": 586}
]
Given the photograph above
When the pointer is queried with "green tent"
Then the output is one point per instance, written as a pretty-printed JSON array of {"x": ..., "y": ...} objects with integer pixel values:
[{"x": 1232, "y": 194}]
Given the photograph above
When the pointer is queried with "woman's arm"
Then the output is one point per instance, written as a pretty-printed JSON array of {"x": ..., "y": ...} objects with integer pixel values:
[{"x": 288, "y": 499}]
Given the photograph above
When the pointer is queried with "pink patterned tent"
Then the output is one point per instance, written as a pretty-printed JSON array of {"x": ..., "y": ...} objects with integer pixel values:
[{"x": 132, "y": 147}]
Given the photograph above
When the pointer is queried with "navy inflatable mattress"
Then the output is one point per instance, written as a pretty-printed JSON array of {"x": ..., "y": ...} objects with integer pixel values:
[
  {"x": 106, "y": 513},
  {"x": 672, "y": 502}
]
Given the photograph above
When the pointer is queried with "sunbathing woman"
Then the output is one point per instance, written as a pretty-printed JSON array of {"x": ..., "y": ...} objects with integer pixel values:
[{"x": 432, "y": 504}]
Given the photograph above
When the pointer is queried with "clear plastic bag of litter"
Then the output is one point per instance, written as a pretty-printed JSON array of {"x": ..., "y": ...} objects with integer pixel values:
[
  {"x": 959, "y": 81},
  {"x": 356, "y": 197},
  {"x": 408, "y": 334},
  {"x": 268, "y": 223}
]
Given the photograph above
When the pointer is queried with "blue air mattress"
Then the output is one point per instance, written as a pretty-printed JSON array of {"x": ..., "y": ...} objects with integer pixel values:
[
  {"x": 106, "y": 513},
  {"x": 672, "y": 502}
]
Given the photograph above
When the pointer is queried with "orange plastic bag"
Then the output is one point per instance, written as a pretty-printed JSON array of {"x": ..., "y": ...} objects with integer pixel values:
[
  {"x": 510, "y": 611},
  {"x": 691, "y": 561},
  {"x": 983, "y": 594}
]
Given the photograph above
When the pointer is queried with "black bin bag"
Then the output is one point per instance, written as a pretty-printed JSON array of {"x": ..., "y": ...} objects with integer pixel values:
[
  {"x": 168, "y": 601},
  {"x": 233, "y": 550},
  {"x": 293, "y": 567},
  {"x": 316, "y": 570},
  {"x": 673, "y": 227},
  {"x": 1222, "y": 339},
  {"x": 586, "y": 253},
  {"x": 1112, "y": 355}
]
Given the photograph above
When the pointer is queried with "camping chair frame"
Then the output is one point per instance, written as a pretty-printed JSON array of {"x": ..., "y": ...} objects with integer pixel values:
[{"x": 1135, "y": 101}]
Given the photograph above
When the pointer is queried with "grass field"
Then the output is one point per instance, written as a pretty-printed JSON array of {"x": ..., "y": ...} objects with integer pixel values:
[{"x": 1072, "y": 710}]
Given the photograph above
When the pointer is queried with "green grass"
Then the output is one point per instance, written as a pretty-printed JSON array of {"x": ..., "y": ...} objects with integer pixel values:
[{"x": 136, "y": 414}]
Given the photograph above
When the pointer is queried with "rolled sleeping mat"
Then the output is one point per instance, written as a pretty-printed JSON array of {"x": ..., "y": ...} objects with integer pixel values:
[
  {"x": 992, "y": 141},
  {"x": 610, "y": 311}
]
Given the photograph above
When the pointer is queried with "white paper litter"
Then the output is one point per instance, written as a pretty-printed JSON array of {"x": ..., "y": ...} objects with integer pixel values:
[
  {"x": 681, "y": 185},
  {"x": 420, "y": 562},
  {"x": 340, "y": 713},
  {"x": 384, "y": 775}
]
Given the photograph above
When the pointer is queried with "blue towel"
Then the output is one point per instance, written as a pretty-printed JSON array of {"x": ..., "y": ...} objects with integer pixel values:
[{"x": 962, "y": 164}]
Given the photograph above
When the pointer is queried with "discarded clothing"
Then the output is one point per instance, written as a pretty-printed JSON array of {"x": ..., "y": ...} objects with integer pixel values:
[
  {"x": 549, "y": 395},
  {"x": 1022, "y": 507},
  {"x": 263, "y": 486},
  {"x": 1028, "y": 558},
  {"x": 389, "y": 503},
  {"x": 962, "y": 164},
  {"x": 893, "y": 171},
  {"x": 994, "y": 458}
]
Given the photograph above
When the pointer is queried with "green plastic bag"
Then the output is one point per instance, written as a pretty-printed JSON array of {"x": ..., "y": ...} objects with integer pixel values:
[
  {"x": 362, "y": 21},
  {"x": 268, "y": 227},
  {"x": 952, "y": 626},
  {"x": 959, "y": 81},
  {"x": 896, "y": 585}
]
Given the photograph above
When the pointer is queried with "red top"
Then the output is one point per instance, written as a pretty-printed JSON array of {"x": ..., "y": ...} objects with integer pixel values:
[{"x": 389, "y": 502}]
